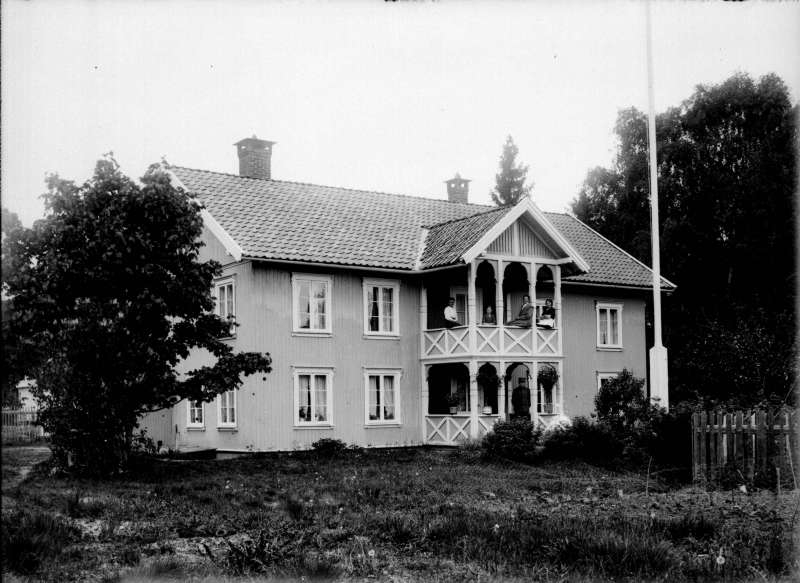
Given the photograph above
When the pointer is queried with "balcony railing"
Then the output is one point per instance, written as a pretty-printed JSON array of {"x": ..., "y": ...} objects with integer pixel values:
[
  {"x": 455, "y": 429},
  {"x": 491, "y": 341}
]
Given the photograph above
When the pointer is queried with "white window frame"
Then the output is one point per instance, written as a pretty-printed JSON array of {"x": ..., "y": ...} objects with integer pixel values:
[
  {"x": 603, "y": 376},
  {"x": 305, "y": 277},
  {"x": 313, "y": 371},
  {"x": 227, "y": 424},
  {"x": 220, "y": 283},
  {"x": 394, "y": 285},
  {"x": 454, "y": 293},
  {"x": 609, "y": 306},
  {"x": 189, "y": 422},
  {"x": 396, "y": 373}
]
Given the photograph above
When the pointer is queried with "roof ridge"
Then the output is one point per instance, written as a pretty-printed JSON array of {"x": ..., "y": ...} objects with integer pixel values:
[
  {"x": 491, "y": 210},
  {"x": 414, "y": 196}
]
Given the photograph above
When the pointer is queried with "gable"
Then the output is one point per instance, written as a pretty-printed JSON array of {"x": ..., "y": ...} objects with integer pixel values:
[{"x": 521, "y": 239}]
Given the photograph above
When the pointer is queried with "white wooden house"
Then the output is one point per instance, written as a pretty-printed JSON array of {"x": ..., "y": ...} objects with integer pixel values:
[{"x": 346, "y": 290}]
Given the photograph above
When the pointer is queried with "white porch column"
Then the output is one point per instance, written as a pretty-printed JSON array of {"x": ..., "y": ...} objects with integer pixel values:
[
  {"x": 473, "y": 398},
  {"x": 423, "y": 405},
  {"x": 532, "y": 290},
  {"x": 500, "y": 312},
  {"x": 533, "y": 387},
  {"x": 557, "y": 306},
  {"x": 472, "y": 320},
  {"x": 423, "y": 317},
  {"x": 501, "y": 397}
]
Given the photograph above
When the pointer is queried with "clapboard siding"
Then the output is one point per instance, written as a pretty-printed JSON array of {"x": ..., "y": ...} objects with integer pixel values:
[
  {"x": 504, "y": 243},
  {"x": 583, "y": 360},
  {"x": 530, "y": 245},
  {"x": 265, "y": 403}
]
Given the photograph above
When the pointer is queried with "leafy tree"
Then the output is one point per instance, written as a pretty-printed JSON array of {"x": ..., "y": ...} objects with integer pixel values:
[
  {"x": 108, "y": 297},
  {"x": 727, "y": 171},
  {"x": 12, "y": 356},
  {"x": 510, "y": 181}
]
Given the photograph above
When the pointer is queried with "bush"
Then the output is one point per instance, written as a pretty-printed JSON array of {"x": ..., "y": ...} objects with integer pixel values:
[
  {"x": 513, "y": 440},
  {"x": 595, "y": 443},
  {"x": 621, "y": 401},
  {"x": 329, "y": 448}
]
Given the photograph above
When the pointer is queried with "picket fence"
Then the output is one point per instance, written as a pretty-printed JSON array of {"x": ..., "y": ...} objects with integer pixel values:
[
  {"x": 748, "y": 447},
  {"x": 19, "y": 426}
]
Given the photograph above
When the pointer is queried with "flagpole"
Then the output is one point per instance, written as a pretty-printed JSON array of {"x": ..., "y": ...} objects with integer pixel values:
[{"x": 659, "y": 392}]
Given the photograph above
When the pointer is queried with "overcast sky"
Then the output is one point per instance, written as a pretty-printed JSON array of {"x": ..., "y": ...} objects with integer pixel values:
[{"x": 394, "y": 97}]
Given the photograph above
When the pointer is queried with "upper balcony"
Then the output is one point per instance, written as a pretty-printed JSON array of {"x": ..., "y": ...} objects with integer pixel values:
[{"x": 518, "y": 315}]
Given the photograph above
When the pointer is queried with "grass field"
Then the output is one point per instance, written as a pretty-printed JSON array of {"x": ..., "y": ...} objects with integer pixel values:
[{"x": 391, "y": 515}]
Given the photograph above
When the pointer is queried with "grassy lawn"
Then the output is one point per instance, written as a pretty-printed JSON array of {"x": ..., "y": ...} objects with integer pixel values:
[{"x": 391, "y": 515}]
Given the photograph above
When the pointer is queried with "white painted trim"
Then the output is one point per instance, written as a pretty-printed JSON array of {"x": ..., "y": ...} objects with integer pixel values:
[
  {"x": 312, "y": 371},
  {"x": 395, "y": 373},
  {"x": 222, "y": 282},
  {"x": 608, "y": 306},
  {"x": 227, "y": 424},
  {"x": 421, "y": 249},
  {"x": 328, "y": 304},
  {"x": 626, "y": 253},
  {"x": 526, "y": 205},
  {"x": 612, "y": 286},
  {"x": 394, "y": 284},
  {"x": 603, "y": 375},
  {"x": 189, "y": 423},
  {"x": 231, "y": 246},
  {"x": 523, "y": 259}
]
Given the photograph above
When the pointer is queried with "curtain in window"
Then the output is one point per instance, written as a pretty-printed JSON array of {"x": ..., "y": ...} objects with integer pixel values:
[
  {"x": 387, "y": 306},
  {"x": 374, "y": 397},
  {"x": 372, "y": 298},
  {"x": 604, "y": 326},
  {"x": 305, "y": 397},
  {"x": 318, "y": 288},
  {"x": 614, "y": 316},
  {"x": 304, "y": 305},
  {"x": 320, "y": 394},
  {"x": 388, "y": 396}
]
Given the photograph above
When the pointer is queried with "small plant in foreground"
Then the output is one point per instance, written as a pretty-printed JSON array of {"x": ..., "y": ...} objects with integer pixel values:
[
  {"x": 31, "y": 539},
  {"x": 513, "y": 440},
  {"x": 329, "y": 448}
]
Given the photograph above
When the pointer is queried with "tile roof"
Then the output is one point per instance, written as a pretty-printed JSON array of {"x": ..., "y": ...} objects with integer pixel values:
[
  {"x": 275, "y": 219},
  {"x": 448, "y": 241}
]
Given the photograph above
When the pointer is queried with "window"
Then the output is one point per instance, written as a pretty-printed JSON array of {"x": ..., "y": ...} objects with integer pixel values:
[
  {"x": 226, "y": 303},
  {"x": 604, "y": 377},
  {"x": 609, "y": 325},
  {"x": 383, "y": 396},
  {"x": 381, "y": 307},
  {"x": 227, "y": 409},
  {"x": 460, "y": 294},
  {"x": 312, "y": 396},
  {"x": 195, "y": 414},
  {"x": 312, "y": 303}
]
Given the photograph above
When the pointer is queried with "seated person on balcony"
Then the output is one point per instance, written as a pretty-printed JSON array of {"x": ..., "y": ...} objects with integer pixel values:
[
  {"x": 488, "y": 316},
  {"x": 548, "y": 317},
  {"x": 450, "y": 315},
  {"x": 525, "y": 316},
  {"x": 521, "y": 401}
]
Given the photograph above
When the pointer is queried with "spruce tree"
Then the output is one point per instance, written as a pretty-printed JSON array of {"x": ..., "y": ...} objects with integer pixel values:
[{"x": 510, "y": 181}]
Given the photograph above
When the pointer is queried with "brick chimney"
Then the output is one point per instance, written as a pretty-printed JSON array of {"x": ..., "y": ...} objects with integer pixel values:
[
  {"x": 457, "y": 189},
  {"x": 255, "y": 157}
]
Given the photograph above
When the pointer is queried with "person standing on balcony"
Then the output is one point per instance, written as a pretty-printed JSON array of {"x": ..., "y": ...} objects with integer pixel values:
[
  {"x": 548, "y": 317},
  {"x": 525, "y": 316},
  {"x": 488, "y": 316},
  {"x": 521, "y": 401},
  {"x": 450, "y": 314}
]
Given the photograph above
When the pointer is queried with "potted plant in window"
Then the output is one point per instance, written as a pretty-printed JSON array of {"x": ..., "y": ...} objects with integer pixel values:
[
  {"x": 547, "y": 378},
  {"x": 452, "y": 402}
]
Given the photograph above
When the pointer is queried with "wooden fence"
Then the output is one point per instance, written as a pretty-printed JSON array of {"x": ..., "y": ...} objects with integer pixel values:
[
  {"x": 750, "y": 447},
  {"x": 19, "y": 426}
]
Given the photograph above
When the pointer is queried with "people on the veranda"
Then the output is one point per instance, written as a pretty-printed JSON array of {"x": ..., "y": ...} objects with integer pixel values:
[
  {"x": 521, "y": 400},
  {"x": 547, "y": 318},
  {"x": 488, "y": 316},
  {"x": 525, "y": 316},
  {"x": 450, "y": 314}
]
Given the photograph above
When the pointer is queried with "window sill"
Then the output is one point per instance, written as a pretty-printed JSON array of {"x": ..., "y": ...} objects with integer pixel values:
[
  {"x": 391, "y": 425},
  {"x": 306, "y": 334},
  {"x": 228, "y": 429},
  {"x": 609, "y": 348},
  {"x": 313, "y": 426},
  {"x": 381, "y": 336},
  {"x": 195, "y": 428}
]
